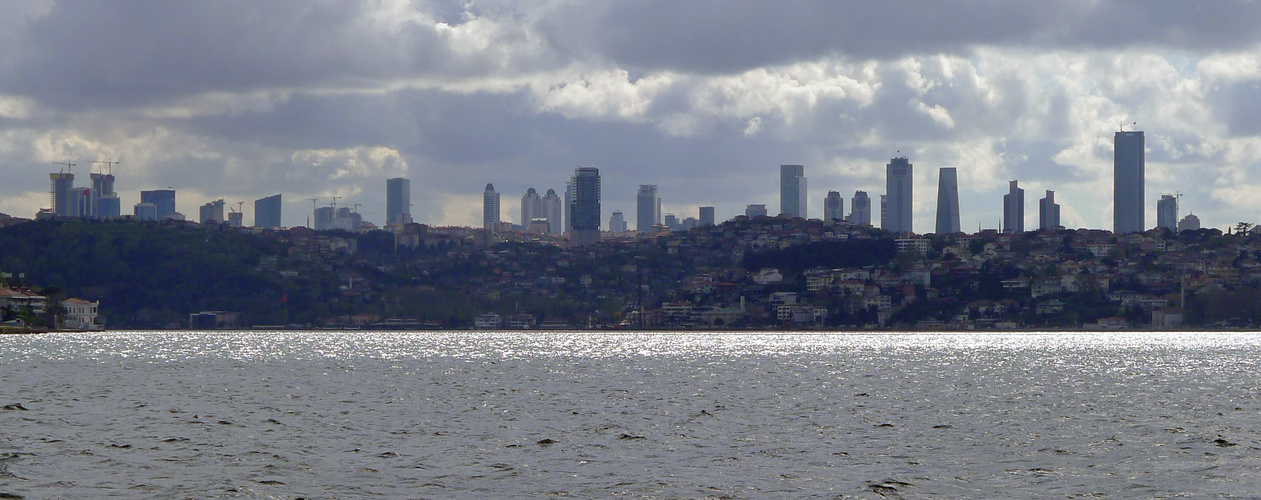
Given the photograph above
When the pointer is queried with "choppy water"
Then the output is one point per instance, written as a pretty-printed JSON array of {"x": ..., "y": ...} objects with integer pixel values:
[{"x": 456, "y": 415}]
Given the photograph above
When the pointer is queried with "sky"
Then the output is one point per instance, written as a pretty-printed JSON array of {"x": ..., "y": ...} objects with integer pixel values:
[{"x": 243, "y": 99}]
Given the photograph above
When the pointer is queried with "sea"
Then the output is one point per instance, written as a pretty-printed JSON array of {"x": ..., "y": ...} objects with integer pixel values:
[{"x": 314, "y": 415}]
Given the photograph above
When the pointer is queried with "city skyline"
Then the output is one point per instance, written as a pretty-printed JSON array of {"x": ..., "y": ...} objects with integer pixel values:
[{"x": 443, "y": 93}]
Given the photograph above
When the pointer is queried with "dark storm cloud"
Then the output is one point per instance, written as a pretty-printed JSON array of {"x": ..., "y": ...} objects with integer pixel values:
[{"x": 717, "y": 36}]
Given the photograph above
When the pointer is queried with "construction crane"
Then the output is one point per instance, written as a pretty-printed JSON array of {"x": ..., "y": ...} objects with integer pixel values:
[
  {"x": 335, "y": 198},
  {"x": 69, "y": 166},
  {"x": 356, "y": 209},
  {"x": 109, "y": 164}
]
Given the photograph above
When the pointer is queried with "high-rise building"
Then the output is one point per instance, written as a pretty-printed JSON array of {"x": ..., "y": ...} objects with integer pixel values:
[
  {"x": 63, "y": 202},
  {"x": 553, "y": 211},
  {"x": 833, "y": 206},
  {"x": 236, "y": 219},
  {"x": 1189, "y": 223},
  {"x": 1048, "y": 212},
  {"x": 267, "y": 212},
  {"x": 163, "y": 199},
  {"x": 1128, "y": 159},
  {"x": 569, "y": 206},
  {"x": 792, "y": 190},
  {"x": 706, "y": 216},
  {"x": 145, "y": 211},
  {"x": 490, "y": 208},
  {"x": 212, "y": 211},
  {"x": 672, "y": 222},
  {"x": 324, "y": 218},
  {"x": 398, "y": 201},
  {"x": 860, "y": 209},
  {"x": 647, "y": 208},
  {"x": 752, "y": 211},
  {"x": 105, "y": 202},
  {"x": 585, "y": 206},
  {"x": 947, "y": 200},
  {"x": 109, "y": 206},
  {"x": 895, "y": 209},
  {"x": 531, "y": 207},
  {"x": 1167, "y": 212},
  {"x": 346, "y": 219},
  {"x": 1014, "y": 209},
  {"x": 617, "y": 223}
]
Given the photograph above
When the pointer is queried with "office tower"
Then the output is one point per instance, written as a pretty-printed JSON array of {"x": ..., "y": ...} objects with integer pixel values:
[
  {"x": 1128, "y": 161},
  {"x": 267, "y": 212},
  {"x": 833, "y": 206},
  {"x": 212, "y": 211},
  {"x": 63, "y": 202},
  {"x": 1167, "y": 212},
  {"x": 672, "y": 222},
  {"x": 236, "y": 219},
  {"x": 324, "y": 218},
  {"x": 585, "y": 206},
  {"x": 860, "y": 208},
  {"x": 1048, "y": 212},
  {"x": 569, "y": 205},
  {"x": 895, "y": 208},
  {"x": 752, "y": 211},
  {"x": 706, "y": 216},
  {"x": 792, "y": 190},
  {"x": 346, "y": 219},
  {"x": 398, "y": 201},
  {"x": 1189, "y": 223},
  {"x": 553, "y": 210},
  {"x": 617, "y": 223},
  {"x": 531, "y": 207},
  {"x": 163, "y": 199},
  {"x": 105, "y": 203},
  {"x": 647, "y": 208},
  {"x": 947, "y": 201},
  {"x": 1014, "y": 209},
  {"x": 146, "y": 211},
  {"x": 490, "y": 208},
  {"x": 84, "y": 199},
  {"x": 689, "y": 224}
]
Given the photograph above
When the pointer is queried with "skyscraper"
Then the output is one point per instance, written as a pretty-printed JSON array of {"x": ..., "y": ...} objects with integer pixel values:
[
  {"x": 1014, "y": 209},
  {"x": 63, "y": 202},
  {"x": 617, "y": 223},
  {"x": 707, "y": 216},
  {"x": 947, "y": 201},
  {"x": 792, "y": 190},
  {"x": 163, "y": 199},
  {"x": 1189, "y": 223},
  {"x": 860, "y": 208},
  {"x": 553, "y": 211},
  {"x": 896, "y": 214},
  {"x": 647, "y": 208},
  {"x": 833, "y": 206},
  {"x": 531, "y": 207},
  {"x": 398, "y": 201},
  {"x": 145, "y": 211},
  {"x": 212, "y": 211},
  {"x": 106, "y": 200},
  {"x": 1048, "y": 212},
  {"x": 1167, "y": 212},
  {"x": 324, "y": 218},
  {"x": 490, "y": 208},
  {"x": 752, "y": 211},
  {"x": 585, "y": 206},
  {"x": 1128, "y": 159},
  {"x": 266, "y": 211}
]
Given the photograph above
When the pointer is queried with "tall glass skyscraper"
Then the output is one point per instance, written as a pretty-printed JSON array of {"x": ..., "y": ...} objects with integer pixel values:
[
  {"x": 490, "y": 208},
  {"x": 553, "y": 210},
  {"x": 1167, "y": 212},
  {"x": 531, "y": 207},
  {"x": 1048, "y": 212},
  {"x": 1128, "y": 161},
  {"x": 1014, "y": 209},
  {"x": 398, "y": 201},
  {"x": 860, "y": 209},
  {"x": 947, "y": 201},
  {"x": 896, "y": 208},
  {"x": 163, "y": 199},
  {"x": 792, "y": 190},
  {"x": 707, "y": 216},
  {"x": 647, "y": 208},
  {"x": 833, "y": 206},
  {"x": 585, "y": 206},
  {"x": 266, "y": 211}
]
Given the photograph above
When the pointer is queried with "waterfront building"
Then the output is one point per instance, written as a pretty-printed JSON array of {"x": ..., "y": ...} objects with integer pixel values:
[
  {"x": 1128, "y": 159},
  {"x": 947, "y": 201},
  {"x": 833, "y": 206},
  {"x": 1014, "y": 209},
  {"x": 896, "y": 208},
  {"x": 647, "y": 208},
  {"x": 1048, "y": 212},
  {"x": 267, "y": 212},
  {"x": 792, "y": 190},
  {"x": 398, "y": 201},
  {"x": 490, "y": 208},
  {"x": 1167, "y": 212},
  {"x": 585, "y": 206}
]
